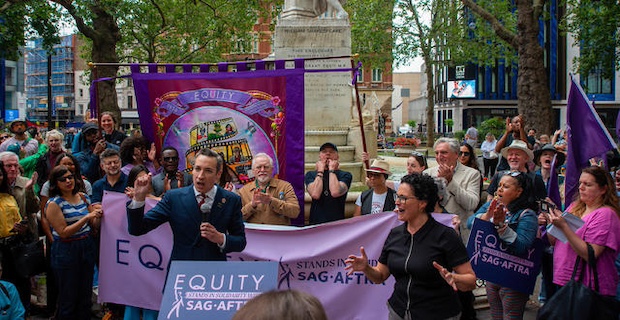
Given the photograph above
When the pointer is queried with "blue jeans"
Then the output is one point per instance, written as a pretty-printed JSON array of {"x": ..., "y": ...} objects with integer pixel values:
[{"x": 73, "y": 263}]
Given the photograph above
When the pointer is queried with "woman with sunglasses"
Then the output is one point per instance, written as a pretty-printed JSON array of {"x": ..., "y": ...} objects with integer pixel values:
[
  {"x": 512, "y": 213},
  {"x": 84, "y": 186},
  {"x": 379, "y": 198},
  {"x": 467, "y": 156},
  {"x": 74, "y": 251},
  {"x": 428, "y": 260}
]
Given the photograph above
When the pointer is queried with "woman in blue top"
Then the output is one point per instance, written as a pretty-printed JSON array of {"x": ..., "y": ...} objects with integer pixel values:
[
  {"x": 73, "y": 251},
  {"x": 516, "y": 224}
]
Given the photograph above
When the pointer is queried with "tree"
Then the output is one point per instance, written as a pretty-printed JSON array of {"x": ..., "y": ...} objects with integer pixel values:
[
  {"x": 145, "y": 31},
  {"x": 163, "y": 32},
  {"x": 421, "y": 30},
  {"x": 595, "y": 25},
  {"x": 23, "y": 19},
  {"x": 371, "y": 25},
  {"x": 534, "y": 98}
]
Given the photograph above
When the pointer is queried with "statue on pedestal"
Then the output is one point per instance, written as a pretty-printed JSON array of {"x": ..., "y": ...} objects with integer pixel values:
[{"x": 295, "y": 9}]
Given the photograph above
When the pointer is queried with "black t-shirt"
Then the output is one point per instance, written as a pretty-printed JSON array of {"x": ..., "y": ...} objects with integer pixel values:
[
  {"x": 419, "y": 287},
  {"x": 328, "y": 208}
]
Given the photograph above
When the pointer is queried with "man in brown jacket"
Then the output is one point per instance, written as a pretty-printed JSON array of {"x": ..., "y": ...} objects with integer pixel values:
[{"x": 268, "y": 200}]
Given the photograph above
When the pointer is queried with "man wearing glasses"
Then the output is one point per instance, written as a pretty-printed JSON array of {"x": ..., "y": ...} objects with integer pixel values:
[
  {"x": 171, "y": 177},
  {"x": 268, "y": 200}
]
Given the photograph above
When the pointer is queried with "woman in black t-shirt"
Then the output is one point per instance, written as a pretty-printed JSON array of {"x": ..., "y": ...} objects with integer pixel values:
[{"x": 427, "y": 281}]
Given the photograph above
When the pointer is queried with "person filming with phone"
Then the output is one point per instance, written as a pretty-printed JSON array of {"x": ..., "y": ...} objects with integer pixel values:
[{"x": 170, "y": 177}]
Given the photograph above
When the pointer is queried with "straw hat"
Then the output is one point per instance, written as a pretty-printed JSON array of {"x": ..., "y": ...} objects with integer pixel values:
[
  {"x": 518, "y": 144},
  {"x": 380, "y": 166}
]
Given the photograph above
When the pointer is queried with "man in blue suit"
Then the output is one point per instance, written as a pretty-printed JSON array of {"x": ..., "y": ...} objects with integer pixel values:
[{"x": 206, "y": 219}]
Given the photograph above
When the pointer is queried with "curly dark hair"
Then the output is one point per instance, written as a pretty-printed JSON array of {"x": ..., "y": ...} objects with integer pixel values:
[
  {"x": 56, "y": 174},
  {"x": 127, "y": 146},
  {"x": 424, "y": 189}
]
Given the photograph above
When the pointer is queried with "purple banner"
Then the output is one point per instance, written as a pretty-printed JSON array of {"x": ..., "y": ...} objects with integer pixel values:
[
  {"x": 236, "y": 114},
  {"x": 310, "y": 259},
  {"x": 491, "y": 260}
]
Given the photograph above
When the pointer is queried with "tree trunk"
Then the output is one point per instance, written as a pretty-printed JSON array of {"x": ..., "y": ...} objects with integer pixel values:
[
  {"x": 105, "y": 37},
  {"x": 430, "y": 106},
  {"x": 534, "y": 99}
]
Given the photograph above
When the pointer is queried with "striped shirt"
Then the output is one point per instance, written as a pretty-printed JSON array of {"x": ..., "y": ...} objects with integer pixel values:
[{"x": 72, "y": 214}]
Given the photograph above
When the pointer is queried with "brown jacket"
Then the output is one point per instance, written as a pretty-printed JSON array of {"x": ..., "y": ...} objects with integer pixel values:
[{"x": 283, "y": 207}]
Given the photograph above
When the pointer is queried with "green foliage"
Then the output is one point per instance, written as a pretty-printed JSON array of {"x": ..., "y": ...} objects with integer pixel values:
[
  {"x": 371, "y": 24},
  {"x": 24, "y": 20},
  {"x": 459, "y": 135},
  {"x": 449, "y": 122},
  {"x": 166, "y": 31},
  {"x": 412, "y": 124},
  {"x": 496, "y": 126},
  {"x": 595, "y": 25},
  {"x": 483, "y": 46}
]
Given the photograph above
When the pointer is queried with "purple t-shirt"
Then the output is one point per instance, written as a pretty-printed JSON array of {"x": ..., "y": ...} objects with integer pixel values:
[{"x": 602, "y": 227}]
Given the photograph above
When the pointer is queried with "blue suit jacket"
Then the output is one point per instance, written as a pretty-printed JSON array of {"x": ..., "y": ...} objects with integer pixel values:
[{"x": 179, "y": 207}]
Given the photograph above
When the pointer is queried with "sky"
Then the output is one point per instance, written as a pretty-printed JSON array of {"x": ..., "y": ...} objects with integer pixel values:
[{"x": 413, "y": 66}]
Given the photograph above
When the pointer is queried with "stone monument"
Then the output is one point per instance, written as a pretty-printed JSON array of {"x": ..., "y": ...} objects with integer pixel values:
[{"x": 301, "y": 33}]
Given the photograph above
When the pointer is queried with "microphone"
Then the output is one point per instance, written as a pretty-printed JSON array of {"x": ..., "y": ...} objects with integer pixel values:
[{"x": 205, "y": 212}]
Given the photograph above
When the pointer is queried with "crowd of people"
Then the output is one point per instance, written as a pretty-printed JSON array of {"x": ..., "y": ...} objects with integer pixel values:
[{"x": 58, "y": 194}]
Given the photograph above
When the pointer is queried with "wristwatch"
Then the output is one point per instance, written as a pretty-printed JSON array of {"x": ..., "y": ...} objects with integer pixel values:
[{"x": 499, "y": 226}]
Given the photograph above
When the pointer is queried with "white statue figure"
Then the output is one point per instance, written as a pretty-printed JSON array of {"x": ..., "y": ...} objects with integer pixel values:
[{"x": 313, "y": 8}]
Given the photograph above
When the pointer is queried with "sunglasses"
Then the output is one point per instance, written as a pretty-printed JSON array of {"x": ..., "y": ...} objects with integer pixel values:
[
  {"x": 513, "y": 174},
  {"x": 373, "y": 174},
  {"x": 4, "y": 137},
  {"x": 64, "y": 179},
  {"x": 167, "y": 159},
  {"x": 464, "y": 153},
  {"x": 417, "y": 154}
]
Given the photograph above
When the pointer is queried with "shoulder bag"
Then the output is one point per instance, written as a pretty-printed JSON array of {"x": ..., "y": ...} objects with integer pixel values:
[
  {"x": 29, "y": 258},
  {"x": 576, "y": 301}
]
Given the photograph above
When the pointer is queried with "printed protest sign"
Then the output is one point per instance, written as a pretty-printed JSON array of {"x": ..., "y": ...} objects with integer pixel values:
[
  {"x": 214, "y": 289},
  {"x": 492, "y": 261}
]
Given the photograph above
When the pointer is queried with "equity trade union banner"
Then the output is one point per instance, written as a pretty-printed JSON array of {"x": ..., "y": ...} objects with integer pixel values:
[
  {"x": 492, "y": 261},
  {"x": 310, "y": 259},
  {"x": 236, "y": 114}
]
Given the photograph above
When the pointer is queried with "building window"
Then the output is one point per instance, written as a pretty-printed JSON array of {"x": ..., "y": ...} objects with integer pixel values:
[
  {"x": 129, "y": 102},
  {"x": 255, "y": 43},
  {"x": 595, "y": 83},
  {"x": 81, "y": 93},
  {"x": 360, "y": 75},
  {"x": 377, "y": 75},
  {"x": 80, "y": 108},
  {"x": 404, "y": 93}
]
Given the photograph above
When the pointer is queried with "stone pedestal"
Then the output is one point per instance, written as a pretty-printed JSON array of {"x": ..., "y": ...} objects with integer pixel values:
[{"x": 328, "y": 95}]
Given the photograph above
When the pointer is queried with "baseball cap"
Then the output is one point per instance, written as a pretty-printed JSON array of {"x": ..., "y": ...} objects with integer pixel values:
[
  {"x": 328, "y": 145},
  {"x": 88, "y": 127}
]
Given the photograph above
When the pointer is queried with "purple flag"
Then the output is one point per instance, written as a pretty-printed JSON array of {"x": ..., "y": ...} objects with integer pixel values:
[
  {"x": 553, "y": 187},
  {"x": 587, "y": 138}
]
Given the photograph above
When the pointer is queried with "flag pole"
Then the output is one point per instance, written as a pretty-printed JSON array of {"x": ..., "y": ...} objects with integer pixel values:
[{"x": 355, "y": 71}]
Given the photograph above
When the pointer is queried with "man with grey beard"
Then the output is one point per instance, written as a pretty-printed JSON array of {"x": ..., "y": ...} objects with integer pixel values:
[{"x": 268, "y": 200}]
